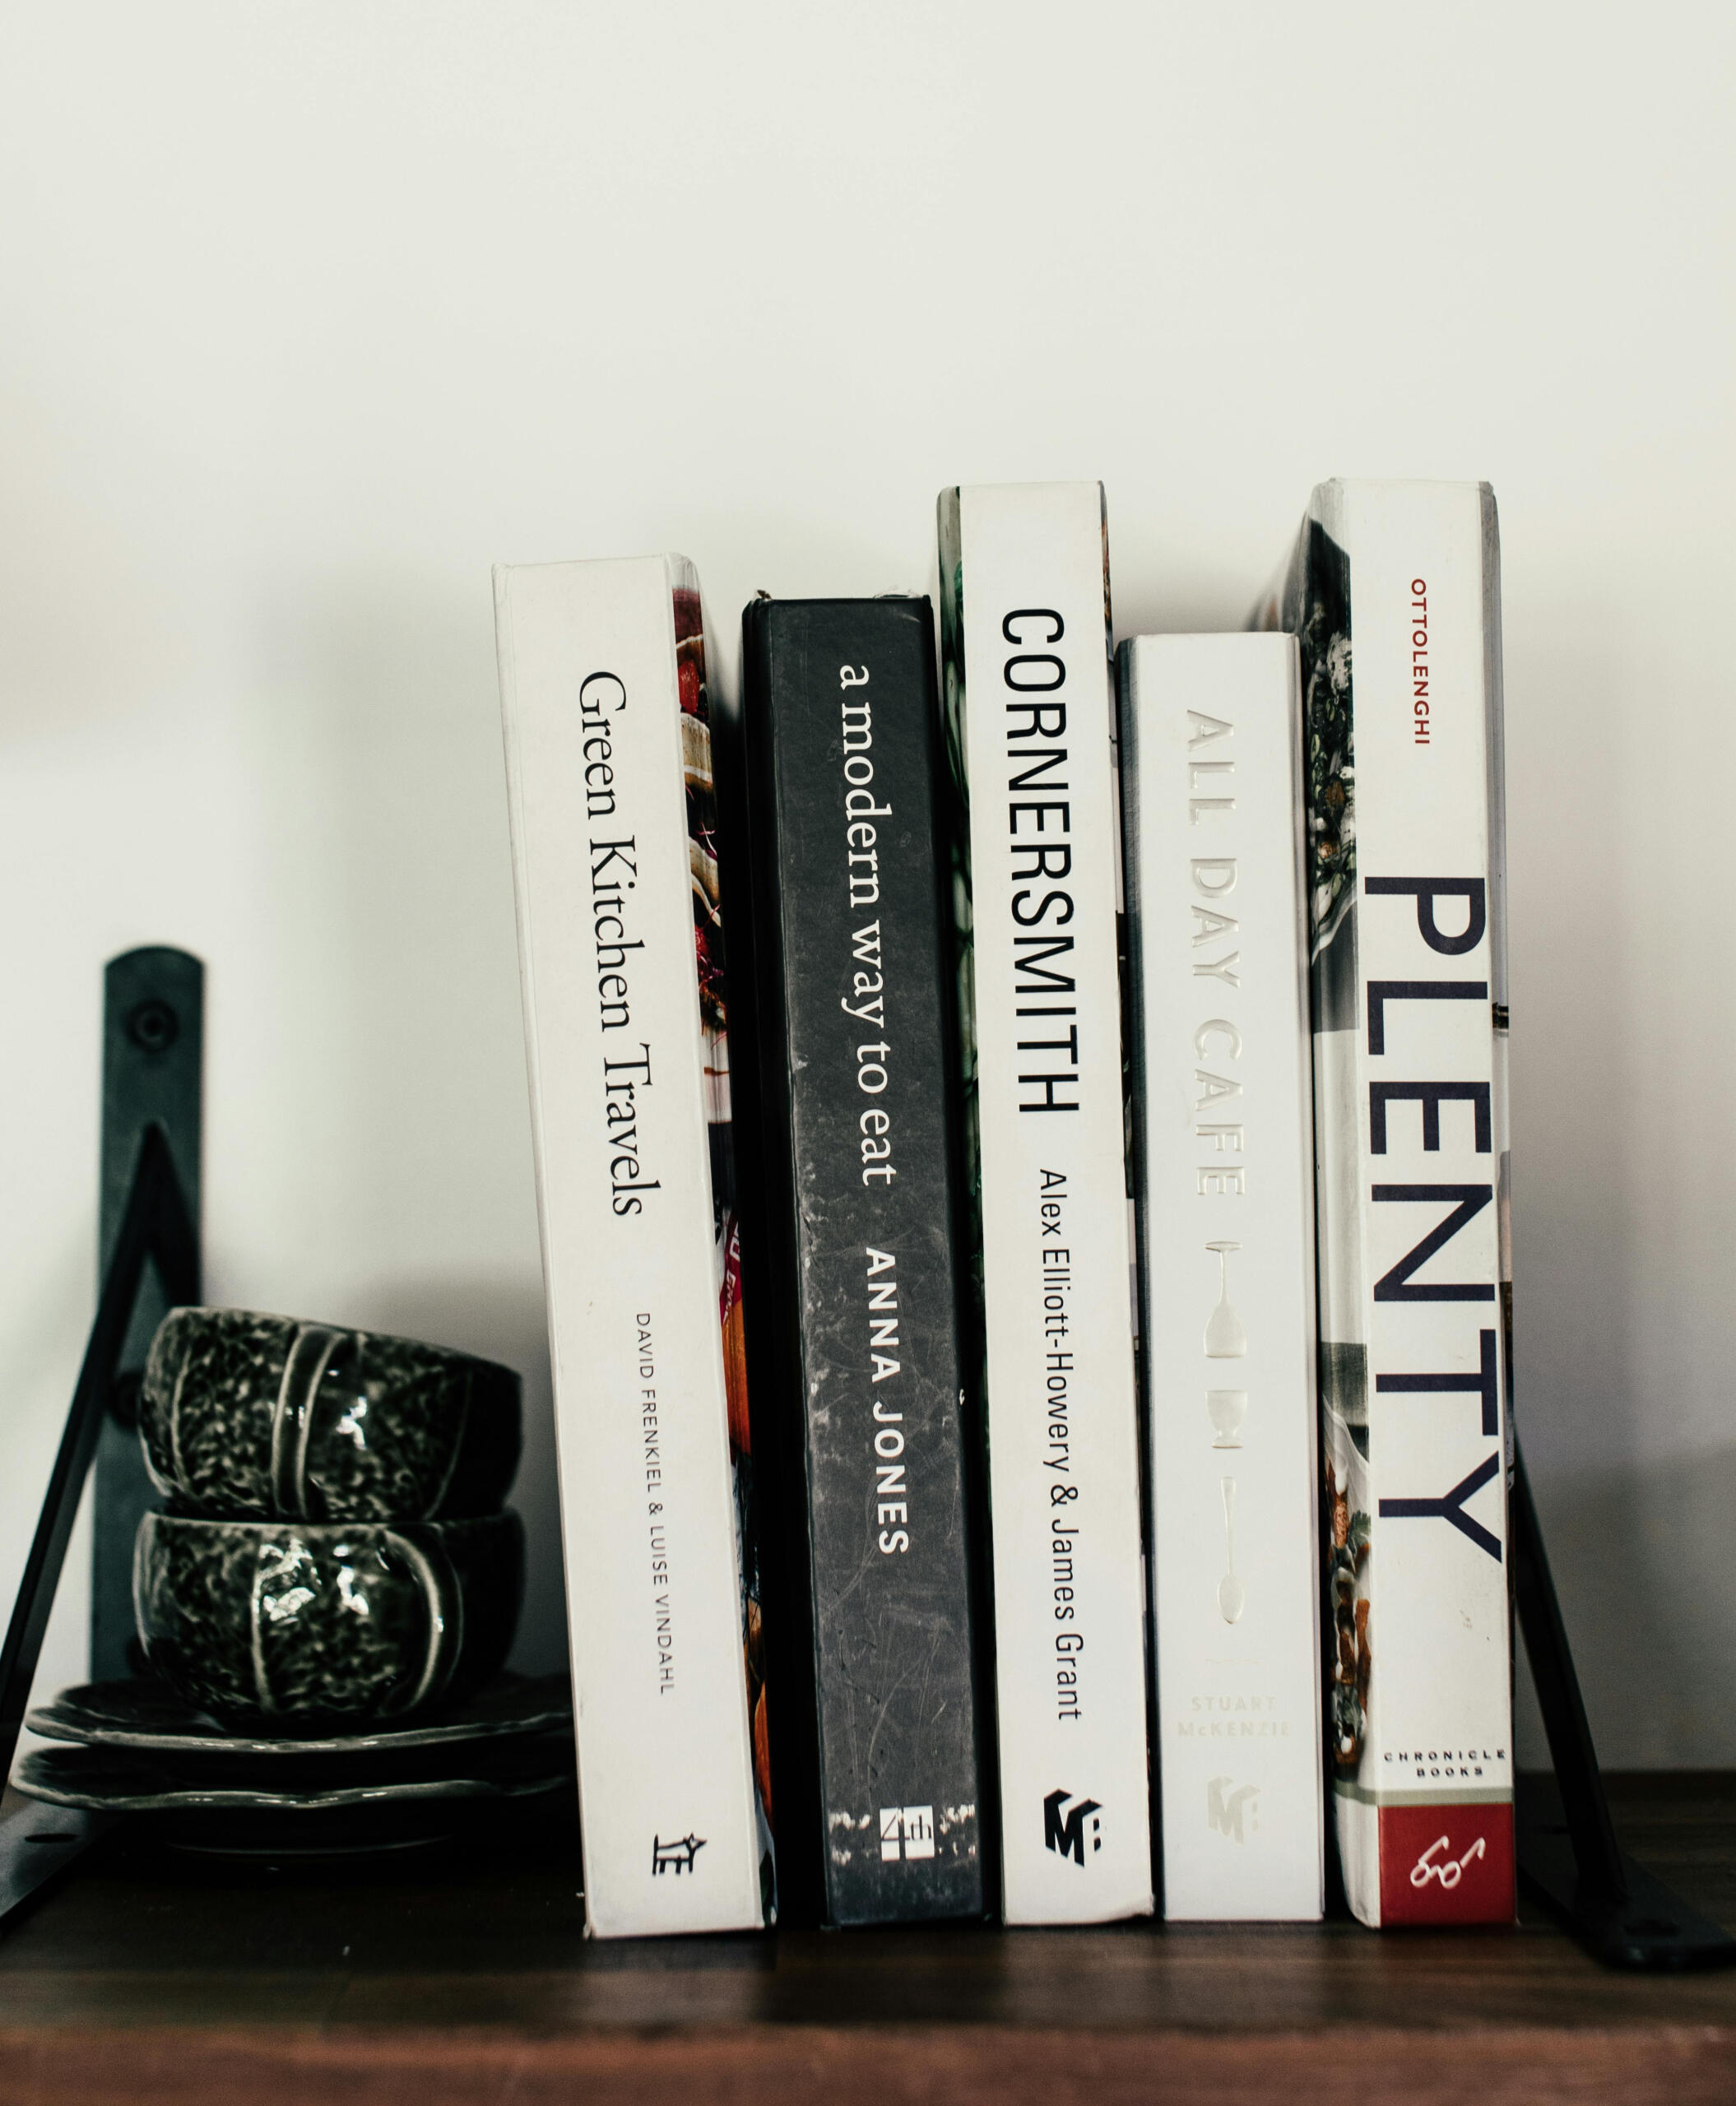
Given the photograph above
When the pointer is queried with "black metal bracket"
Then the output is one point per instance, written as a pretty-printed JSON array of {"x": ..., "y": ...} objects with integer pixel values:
[
  {"x": 153, "y": 1036},
  {"x": 149, "y": 1248},
  {"x": 1567, "y": 1844}
]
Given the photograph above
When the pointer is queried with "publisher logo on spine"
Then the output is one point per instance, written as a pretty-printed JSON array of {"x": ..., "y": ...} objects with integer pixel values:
[
  {"x": 677, "y": 1857},
  {"x": 1232, "y": 1809},
  {"x": 1065, "y": 1828},
  {"x": 1446, "y": 1864},
  {"x": 906, "y": 1832}
]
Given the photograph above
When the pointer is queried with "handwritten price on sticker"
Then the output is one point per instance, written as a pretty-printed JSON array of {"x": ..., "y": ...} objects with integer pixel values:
[{"x": 1448, "y": 1870}]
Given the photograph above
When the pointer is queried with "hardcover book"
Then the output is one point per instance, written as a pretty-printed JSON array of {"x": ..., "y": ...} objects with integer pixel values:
[
  {"x": 1031, "y": 739},
  {"x": 859, "y": 1380},
  {"x": 1211, "y": 755},
  {"x": 605, "y": 713},
  {"x": 1394, "y": 591}
]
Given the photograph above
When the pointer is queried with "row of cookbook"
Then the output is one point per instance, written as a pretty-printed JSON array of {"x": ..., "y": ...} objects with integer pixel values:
[{"x": 1021, "y": 1147}]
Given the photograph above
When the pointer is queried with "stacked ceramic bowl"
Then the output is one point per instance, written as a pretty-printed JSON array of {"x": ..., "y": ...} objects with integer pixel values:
[
  {"x": 334, "y": 1547},
  {"x": 331, "y": 1590}
]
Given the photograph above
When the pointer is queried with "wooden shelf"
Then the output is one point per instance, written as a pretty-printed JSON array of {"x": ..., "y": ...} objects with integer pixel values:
[{"x": 144, "y": 1978}]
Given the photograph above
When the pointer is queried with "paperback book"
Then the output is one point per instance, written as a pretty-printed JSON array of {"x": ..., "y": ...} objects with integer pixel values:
[
  {"x": 1210, "y": 757},
  {"x": 605, "y": 712},
  {"x": 1031, "y": 739},
  {"x": 849, "y": 1108},
  {"x": 1393, "y": 592}
]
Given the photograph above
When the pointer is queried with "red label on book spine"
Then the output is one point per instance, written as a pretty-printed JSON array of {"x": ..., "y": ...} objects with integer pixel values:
[{"x": 1450, "y": 1864}]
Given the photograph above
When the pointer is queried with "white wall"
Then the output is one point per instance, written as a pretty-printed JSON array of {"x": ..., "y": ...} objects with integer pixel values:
[{"x": 312, "y": 311}]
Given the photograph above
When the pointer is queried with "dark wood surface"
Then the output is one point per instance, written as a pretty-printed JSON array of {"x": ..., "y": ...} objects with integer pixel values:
[{"x": 145, "y": 1977}]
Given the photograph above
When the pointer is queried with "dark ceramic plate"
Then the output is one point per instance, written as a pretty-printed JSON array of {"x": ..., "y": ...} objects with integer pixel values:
[
  {"x": 315, "y": 1828},
  {"x": 149, "y": 1717},
  {"x": 113, "y": 1782},
  {"x": 216, "y": 1776},
  {"x": 335, "y": 1838}
]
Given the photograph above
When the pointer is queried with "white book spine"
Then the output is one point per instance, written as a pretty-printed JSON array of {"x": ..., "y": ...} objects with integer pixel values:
[
  {"x": 1038, "y": 756},
  {"x": 1395, "y": 593},
  {"x": 1210, "y": 748},
  {"x": 598, "y": 753}
]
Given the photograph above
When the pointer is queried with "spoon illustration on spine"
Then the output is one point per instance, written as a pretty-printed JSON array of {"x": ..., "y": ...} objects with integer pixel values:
[{"x": 1232, "y": 1594}]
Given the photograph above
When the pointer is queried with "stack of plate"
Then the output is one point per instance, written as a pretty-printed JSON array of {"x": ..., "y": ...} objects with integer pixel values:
[{"x": 136, "y": 1747}]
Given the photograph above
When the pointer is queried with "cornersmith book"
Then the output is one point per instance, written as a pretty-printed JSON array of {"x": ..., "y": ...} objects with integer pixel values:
[
  {"x": 1394, "y": 591},
  {"x": 1031, "y": 737},
  {"x": 859, "y": 1378},
  {"x": 605, "y": 713},
  {"x": 1211, "y": 752}
]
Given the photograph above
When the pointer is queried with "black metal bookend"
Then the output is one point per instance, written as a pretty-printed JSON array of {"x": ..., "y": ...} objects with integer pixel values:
[
  {"x": 1566, "y": 1846},
  {"x": 149, "y": 1252},
  {"x": 153, "y": 1043}
]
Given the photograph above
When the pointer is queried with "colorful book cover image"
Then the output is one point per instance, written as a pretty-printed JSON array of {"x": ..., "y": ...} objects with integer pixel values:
[
  {"x": 711, "y": 960},
  {"x": 1328, "y": 763}
]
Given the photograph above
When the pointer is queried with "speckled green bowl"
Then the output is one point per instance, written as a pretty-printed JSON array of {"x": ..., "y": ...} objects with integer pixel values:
[
  {"x": 242, "y": 1414},
  {"x": 305, "y": 1623}
]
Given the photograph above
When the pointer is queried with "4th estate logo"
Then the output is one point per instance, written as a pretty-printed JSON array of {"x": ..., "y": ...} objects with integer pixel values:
[
  {"x": 1066, "y": 1831},
  {"x": 906, "y": 1832}
]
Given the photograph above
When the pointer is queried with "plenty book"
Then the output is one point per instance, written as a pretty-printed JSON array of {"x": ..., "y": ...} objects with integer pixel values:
[
  {"x": 1394, "y": 591},
  {"x": 1031, "y": 734},
  {"x": 848, "y": 1103},
  {"x": 605, "y": 713},
  {"x": 1211, "y": 761}
]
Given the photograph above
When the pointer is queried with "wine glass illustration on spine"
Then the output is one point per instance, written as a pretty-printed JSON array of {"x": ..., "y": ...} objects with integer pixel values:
[
  {"x": 1227, "y": 1409},
  {"x": 1225, "y": 1339}
]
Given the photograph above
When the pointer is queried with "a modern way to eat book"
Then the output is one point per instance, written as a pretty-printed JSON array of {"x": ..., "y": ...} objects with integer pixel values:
[{"x": 861, "y": 1425}]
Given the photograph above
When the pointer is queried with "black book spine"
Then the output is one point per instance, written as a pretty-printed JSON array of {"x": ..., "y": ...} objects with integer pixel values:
[{"x": 847, "y": 1097}]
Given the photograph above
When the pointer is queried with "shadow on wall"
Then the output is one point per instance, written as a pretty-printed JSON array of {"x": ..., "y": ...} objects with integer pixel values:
[
  {"x": 394, "y": 1186},
  {"x": 503, "y": 1319},
  {"x": 1645, "y": 1565}
]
